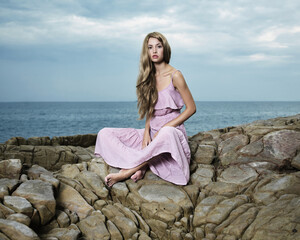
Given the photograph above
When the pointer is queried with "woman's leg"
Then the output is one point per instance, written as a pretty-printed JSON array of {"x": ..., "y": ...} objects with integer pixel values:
[{"x": 123, "y": 174}]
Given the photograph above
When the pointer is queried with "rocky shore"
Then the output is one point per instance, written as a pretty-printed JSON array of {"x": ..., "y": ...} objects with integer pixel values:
[{"x": 245, "y": 184}]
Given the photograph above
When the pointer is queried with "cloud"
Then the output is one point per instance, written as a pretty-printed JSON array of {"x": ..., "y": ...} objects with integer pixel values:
[
  {"x": 211, "y": 28},
  {"x": 271, "y": 36}
]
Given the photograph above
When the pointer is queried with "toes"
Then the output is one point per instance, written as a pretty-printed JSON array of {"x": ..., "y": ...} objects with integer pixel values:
[
  {"x": 107, "y": 179},
  {"x": 133, "y": 177}
]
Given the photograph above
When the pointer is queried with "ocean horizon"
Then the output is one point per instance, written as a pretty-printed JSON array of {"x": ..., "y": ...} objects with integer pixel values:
[{"x": 29, "y": 119}]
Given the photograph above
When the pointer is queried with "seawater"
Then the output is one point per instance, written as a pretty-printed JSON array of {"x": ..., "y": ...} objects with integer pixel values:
[{"x": 28, "y": 119}]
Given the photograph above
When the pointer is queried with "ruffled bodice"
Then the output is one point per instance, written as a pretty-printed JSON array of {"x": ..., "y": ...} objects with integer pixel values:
[{"x": 168, "y": 99}]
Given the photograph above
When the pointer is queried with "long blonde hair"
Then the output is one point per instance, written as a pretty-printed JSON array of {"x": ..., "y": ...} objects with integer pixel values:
[{"x": 146, "y": 83}]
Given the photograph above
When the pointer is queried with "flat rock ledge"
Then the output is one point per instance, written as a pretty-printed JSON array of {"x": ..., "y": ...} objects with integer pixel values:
[{"x": 245, "y": 184}]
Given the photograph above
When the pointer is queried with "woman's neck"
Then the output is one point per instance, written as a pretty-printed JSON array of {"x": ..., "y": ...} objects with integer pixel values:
[{"x": 160, "y": 67}]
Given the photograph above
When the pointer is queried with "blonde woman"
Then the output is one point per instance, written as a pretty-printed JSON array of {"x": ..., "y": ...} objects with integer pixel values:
[{"x": 162, "y": 145}]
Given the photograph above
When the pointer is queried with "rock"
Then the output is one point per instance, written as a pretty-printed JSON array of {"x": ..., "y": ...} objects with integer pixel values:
[
  {"x": 279, "y": 147},
  {"x": 119, "y": 192},
  {"x": 53, "y": 157},
  {"x": 76, "y": 140},
  {"x": 127, "y": 212},
  {"x": 166, "y": 212},
  {"x": 99, "y": 167},
  {"x": 93, "y": 227},
  {"x": 143, "y": 236},
  {"x": 296, "y": 162},
  {"x": 35, "y": 171},
  {"x": 205, "y": 154},
  {"x": 224, "y": 208},
  {"x": 162, "y": 193},
  {"x": 238, "y": 226},
  {"x": 23, "y": 178},
  {"x": 126, "y": 226},
  {"x": 204, "y": 207},
  {"x": 3, "y": 237},
  {"x": 19, "y": 205},
  {"x": 62, "y": 234},
  {"x": 278, "y": 220},
  {"x": 19, "y": 217},
  {"x": 244, "y": 185},
  {"x": 222, "y": 188},
  {"x": 40, "y": 195},
  {"x": 203, "y": 175},
  {"x": 193, "y": 192},
  {"x": 16, "y": 231},
  {"x": 69, "y": 198},
  {"x": 63, "y": 219},
  {"x": 72, "y": 216},
  {"x": 114, "y": 231},
  {"x": 188, "y": 236},
  {"x": 271, "y": 188},
  {"x": 50, "y": 179},
  {"x": 88, "y": 195},
  {"x": 92, "y": 181},
  {"x": 110, "y": 211},
  {"x": 69, "y": 171},
  {"x": 7, "y": 186},
  {"x": 99, "y": 204},
  {"x": 37, "y": 141},
  {"x": 252, "y": 149},
  {"x": 242, "y": 175},
  {"x": 158, "y": 227},
  {"x": 228, "y": 148},
  {"x": 142, "y": 224},
  {"x": 16, "y": 141},
  {"x": 10, "y": 168},
  {"x": 193, "y": 147}
]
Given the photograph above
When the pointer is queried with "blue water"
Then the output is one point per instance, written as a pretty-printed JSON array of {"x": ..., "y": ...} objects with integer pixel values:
[{"x": 28, "y": 119}]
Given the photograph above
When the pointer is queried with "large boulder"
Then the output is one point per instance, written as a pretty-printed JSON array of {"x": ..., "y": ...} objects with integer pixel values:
[
  {"x": 278, "y": 220},
  {"x": 93, "y": 227},
  {"x": 71, "y": 199},
  {"x": 19, "y": 205},
  {"x": 40, "y": 195},
  {"x": 17, "y": 231},
  {"x": 7, "y": 186},
  {"x": 10, "y": 168}
]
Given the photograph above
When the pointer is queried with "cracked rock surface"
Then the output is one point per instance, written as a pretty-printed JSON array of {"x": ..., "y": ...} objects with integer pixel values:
[{"x": 244, "y": 185}]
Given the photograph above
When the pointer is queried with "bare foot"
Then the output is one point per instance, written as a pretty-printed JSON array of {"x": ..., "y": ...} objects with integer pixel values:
[
  {"x": 139, "y": 174},
  {"x": 113, "y": 178}
]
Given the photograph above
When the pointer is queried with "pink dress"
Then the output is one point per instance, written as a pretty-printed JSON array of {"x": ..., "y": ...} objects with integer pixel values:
[{"x": 122, "y": 147}]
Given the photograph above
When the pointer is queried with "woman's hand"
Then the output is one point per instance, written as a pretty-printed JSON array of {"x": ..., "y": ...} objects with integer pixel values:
[{"x": 146, "y": 140}]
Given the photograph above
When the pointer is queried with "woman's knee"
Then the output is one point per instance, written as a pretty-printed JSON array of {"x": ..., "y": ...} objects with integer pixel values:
[
  {"x": 103, "y": 132},
  {"x": 168, "y": 130}
]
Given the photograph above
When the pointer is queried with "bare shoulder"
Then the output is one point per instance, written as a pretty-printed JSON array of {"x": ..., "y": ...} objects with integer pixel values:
[{"x": 178, "y": 80}]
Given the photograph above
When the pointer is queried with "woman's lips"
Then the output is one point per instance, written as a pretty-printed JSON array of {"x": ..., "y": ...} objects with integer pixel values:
[{"x": 154, "y": 56}]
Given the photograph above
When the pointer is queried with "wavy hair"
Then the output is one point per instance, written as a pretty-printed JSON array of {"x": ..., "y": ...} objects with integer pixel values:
[{"x": 146, "y": 83}]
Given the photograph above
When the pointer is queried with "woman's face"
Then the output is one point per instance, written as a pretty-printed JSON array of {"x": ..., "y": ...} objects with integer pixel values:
[{"x": 155, "y": 50}]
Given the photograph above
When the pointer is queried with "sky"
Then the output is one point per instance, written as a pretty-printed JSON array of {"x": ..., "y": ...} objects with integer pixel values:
[{"x": 71, "y": 50}]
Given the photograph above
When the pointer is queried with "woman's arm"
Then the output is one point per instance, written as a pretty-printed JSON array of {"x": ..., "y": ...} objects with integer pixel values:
[
  {"x": 190, "y": 106},
  {"x": 146, "y": 138}
]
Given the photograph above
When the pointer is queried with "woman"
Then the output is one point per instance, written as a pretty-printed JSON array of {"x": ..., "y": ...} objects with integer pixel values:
[{"x": 162, "y": 145}]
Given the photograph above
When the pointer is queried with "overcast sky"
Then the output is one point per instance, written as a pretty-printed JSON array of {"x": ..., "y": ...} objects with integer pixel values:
[{"x": 71, "y": 50}]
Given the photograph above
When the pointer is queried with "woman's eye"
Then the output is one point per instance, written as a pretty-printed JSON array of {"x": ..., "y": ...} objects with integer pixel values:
[{"x": 159, "y": 46}]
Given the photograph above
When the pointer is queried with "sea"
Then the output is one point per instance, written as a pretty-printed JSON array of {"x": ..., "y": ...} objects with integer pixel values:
[{"x": 29, "y": 119}]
